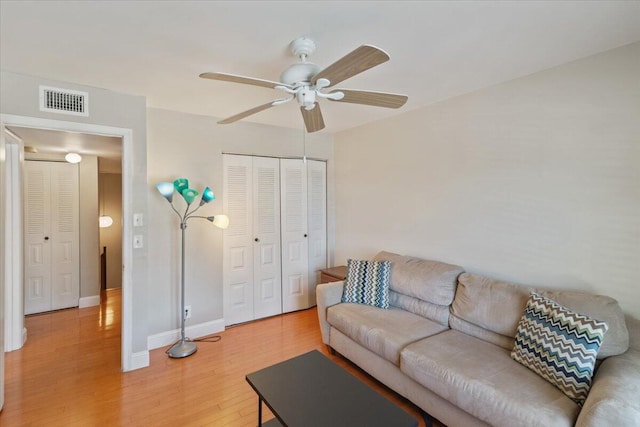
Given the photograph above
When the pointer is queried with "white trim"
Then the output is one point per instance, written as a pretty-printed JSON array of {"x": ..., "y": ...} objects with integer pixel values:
[
  {"x": 128, "y": 361},
  {"x": 139, "y": 360},
  {"x": 91, "y": 301},
  {"x": 13, "y": 303},
  {"x": 195, "y": 331}
]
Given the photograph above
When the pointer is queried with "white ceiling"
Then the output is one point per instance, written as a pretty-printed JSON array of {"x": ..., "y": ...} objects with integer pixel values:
[
  {"x": 60, "y": 143},
  {"x": 438, "y": 49}
]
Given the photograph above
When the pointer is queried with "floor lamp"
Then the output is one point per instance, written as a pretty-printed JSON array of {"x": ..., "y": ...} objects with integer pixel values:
[{"x": 185, "y": 347}]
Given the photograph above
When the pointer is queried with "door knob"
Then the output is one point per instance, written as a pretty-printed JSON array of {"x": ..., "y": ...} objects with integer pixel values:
[
  {"x": 256, "y": 239},
  {"x": 305, "y": 235},
  {"x": 46, "y": 237}
]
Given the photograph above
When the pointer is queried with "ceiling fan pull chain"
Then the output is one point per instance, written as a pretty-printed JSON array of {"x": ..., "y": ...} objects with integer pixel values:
[{"x": 304, "y": 145}]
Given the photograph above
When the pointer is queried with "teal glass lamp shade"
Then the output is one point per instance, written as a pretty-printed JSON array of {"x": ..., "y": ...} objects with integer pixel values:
[
  {"x": 189, "y": 195},
  {"x": 181, "y": 184},
  {"x": 166, "y": 189},
  {"x": 207, "y": 195}
]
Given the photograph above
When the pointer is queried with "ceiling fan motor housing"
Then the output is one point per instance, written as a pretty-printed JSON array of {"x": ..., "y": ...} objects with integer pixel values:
[
  {"x": 306, "y": 97},
  {"x": 299, "y": 73}
]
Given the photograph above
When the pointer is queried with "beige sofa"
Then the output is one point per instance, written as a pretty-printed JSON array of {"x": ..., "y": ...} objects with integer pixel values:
[{"x": 445, "y": 345}]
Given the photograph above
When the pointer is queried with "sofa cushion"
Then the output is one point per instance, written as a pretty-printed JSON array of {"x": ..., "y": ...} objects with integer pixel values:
[
  {"x": 431, "y": 281},
  {"x": 484, "y": 381},
  {"x": 491, "y": 310},
  {"x": 367, "y": 282},
  {"x": 559, "y": 344},
  {"x": 384, "y": 332},
  {"x": 601, "y": 307},
  {"x": 435, "y": 312}
]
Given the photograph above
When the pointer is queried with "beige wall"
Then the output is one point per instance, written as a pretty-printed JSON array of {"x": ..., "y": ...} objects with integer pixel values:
[
  {"x": 190, "y": 146},
  {"x": 110, "y": 202},
  {"x": 20, "y": 97},
  {"x": 89, "y": 236},
  {"x": 535, "y": 181}
]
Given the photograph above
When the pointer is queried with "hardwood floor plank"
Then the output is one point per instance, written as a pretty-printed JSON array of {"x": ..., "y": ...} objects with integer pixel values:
[{"x": 68, "y": 373}]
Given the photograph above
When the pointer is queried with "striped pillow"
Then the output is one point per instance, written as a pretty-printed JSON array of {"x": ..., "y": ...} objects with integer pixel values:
[
  {"x": 367, "y": 282},
  {"x": 558, "y": 344}
]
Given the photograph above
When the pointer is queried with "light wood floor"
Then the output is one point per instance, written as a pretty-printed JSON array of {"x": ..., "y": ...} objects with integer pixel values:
[{"x": 68, "y": 372}]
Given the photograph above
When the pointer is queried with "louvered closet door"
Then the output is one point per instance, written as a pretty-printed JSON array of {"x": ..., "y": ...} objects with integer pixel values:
[
  {"x": 51, "y": 243},
  {"x": 295, "y": 261},
  {"x": 37, "y": 240},
  {"x": 317, "y": 220},
  {"x": 238, "y": 239},
  {"x": 267, "y": 289}
]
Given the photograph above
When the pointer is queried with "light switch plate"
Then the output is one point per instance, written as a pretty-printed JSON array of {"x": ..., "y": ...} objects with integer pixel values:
[
  {"x": 138, "y": 241},
  {"x": 138, "y": 220}
]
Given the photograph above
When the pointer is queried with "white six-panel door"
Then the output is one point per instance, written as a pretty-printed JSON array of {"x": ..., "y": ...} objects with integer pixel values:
[
  {"x": 51, "y": 250},
  {"x": 277, "y": 239},
  {"x": 252, "y": 275},
  {"x": 267, "y": 281},
  {"x": 238, "y": 239},
  {"x": 295, "y": 260},
  {"x": 317, "y": 223}
]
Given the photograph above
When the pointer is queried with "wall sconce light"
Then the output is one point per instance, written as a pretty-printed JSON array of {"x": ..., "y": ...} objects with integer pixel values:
[
  {"x": 185, "y": 347},
  {"x": 104, "y": 221}
]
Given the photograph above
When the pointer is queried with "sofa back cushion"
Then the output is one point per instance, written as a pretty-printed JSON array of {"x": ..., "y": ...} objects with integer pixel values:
[
  {"x": 430, "y": 281},
  {"x": 491, "y": 310},
  {"x": 435, "y": 312},
  {"x": 488, "y": 309},
  {"x": 602, "y": 308}
]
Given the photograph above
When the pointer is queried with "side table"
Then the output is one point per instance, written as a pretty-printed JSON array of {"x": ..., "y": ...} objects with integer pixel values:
[{"x": 333, "y": 274}]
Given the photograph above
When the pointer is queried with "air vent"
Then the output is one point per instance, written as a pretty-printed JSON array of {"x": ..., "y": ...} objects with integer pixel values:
[{"x": 64, "y": 101}]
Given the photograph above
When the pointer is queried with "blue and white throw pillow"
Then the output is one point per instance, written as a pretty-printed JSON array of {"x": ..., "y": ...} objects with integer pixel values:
[
  {"x": 559, "y": 344},
  {"x": 367, "y": 282}
]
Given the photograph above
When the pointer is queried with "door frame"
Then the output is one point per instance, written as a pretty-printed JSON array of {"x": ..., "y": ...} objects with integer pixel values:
[
  {"x": 15, "y": 333},
  {"x": 126, "y": 134}
]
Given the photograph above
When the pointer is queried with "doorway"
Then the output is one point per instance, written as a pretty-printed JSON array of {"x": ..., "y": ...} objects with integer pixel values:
[{"x": 13, "y": 293}]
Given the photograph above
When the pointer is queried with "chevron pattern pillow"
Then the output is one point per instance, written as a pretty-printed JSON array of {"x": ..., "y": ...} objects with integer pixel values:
[
  {"x": 559, "y": 344},
  {"x": 367, "y": 282}
]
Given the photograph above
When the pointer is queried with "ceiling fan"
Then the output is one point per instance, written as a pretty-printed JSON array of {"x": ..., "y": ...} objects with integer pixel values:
[{"x": 305, "y": 82}]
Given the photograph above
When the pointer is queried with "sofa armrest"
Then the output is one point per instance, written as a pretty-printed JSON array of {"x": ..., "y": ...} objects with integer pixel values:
[
  {"x": 327, "y": 294},
  {"x": 614, "y": 398}
]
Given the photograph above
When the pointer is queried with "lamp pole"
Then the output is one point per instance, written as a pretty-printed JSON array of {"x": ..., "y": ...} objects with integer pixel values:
[{"x": 185, "y": 347}]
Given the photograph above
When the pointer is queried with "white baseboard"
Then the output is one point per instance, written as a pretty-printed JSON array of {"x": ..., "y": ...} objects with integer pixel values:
[
  {"x": 195, "y": 331},
  {"x": 89, "y": 301},
  {"x": 139, "y": 360}
]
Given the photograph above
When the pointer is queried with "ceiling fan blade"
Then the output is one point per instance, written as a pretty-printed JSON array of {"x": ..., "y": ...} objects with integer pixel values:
[
  {"x": 254, "y": 110},
  {"x": 361, "y": 59},
  {"x": 241, "y": 79},
  {"x": 377, "y": 99},
  {"x": 313, "y": 120}
]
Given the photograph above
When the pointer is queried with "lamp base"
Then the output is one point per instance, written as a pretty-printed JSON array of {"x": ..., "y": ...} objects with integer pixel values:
[{"x": 182, "y": 349}]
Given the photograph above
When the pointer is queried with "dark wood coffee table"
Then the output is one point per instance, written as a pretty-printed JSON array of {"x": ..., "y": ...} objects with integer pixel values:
[{"x": 312, "y": 391}]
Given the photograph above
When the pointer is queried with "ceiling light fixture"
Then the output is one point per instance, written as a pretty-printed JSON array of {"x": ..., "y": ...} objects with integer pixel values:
[{"x": 73, "y": 158}]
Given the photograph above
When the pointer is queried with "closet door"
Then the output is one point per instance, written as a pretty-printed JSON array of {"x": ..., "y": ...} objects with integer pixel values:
[
  {"x": 317, "y": 220},
  {"x": 238, "y": 239},
  {"x": 65, "y": 230},
  {"x": 267, "y": 284},
  {"x": 295, "y": 261},
  {"x": 37, "y": 240},
  {"x": 52, "y": 255}
]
